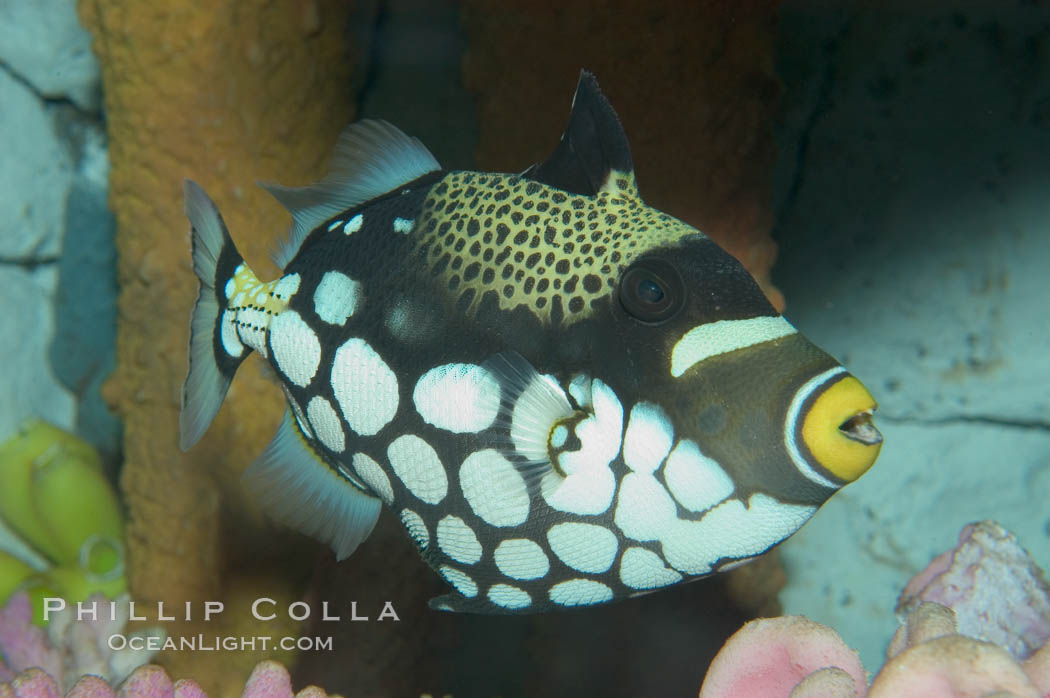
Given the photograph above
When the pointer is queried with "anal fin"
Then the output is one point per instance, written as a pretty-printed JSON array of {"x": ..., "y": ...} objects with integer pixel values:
[{"x": 295, "y": 487}]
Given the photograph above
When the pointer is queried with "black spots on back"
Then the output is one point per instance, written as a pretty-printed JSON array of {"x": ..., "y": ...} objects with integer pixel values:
[
  {"x": 530, "y": 247},
  {"x": 502, "y": 231}
]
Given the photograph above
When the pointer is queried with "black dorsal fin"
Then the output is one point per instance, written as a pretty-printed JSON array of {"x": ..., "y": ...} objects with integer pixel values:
[{"x": 592, "y": 145}]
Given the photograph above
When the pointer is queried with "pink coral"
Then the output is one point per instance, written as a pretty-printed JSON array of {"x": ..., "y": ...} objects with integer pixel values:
[
  {"x": 770, "y": 656},
  {"x": 268, "y": 680},
  {"x": 70, "y": 647},
  {"x": 972, "y": 625}
]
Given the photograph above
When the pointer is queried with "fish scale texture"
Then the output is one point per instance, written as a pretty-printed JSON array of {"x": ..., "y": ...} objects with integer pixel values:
[{"x": 236, "y": 91}]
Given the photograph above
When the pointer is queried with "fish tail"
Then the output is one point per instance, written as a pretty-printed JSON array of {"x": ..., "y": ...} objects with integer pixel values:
[{"x": 215, "y": 348}]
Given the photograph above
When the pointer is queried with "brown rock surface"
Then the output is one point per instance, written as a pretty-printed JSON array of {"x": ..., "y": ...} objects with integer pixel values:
[
  {"x": 226, "y": 93},
  {"x": 693, "y": 83}
]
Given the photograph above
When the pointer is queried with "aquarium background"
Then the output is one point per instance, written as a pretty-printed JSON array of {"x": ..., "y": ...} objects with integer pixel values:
[{"x": 899, "y": 157}]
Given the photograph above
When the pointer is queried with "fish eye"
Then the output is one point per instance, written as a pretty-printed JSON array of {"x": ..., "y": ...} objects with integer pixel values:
[{"x": 651, "y": 290}]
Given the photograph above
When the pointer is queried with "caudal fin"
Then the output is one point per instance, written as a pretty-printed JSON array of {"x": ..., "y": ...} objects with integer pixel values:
[{"x": 215, "y": 350}]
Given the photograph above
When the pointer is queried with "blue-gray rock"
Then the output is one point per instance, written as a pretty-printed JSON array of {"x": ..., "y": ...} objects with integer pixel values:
[
  {"x": 915, "y": 232},
  {"x": 43, "y": 43},
  {"x": 35, "y": 177}
]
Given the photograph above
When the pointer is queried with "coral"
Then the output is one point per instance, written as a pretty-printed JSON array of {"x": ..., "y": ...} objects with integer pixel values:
[
  {"x": 227, "y": 93},
  {"x": 986, "y": 588},
  {"x": 996, "y": 590},
  {"x": 70, "y": 646},
  {"x": 267, "y": 680},
  {"x": 702, "y": 138}
]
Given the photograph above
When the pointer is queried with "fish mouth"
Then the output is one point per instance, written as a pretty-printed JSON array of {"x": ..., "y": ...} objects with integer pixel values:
[{"x": 861, "y": 429}]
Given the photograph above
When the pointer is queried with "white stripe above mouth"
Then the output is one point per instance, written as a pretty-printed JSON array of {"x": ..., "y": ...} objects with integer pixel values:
[{"x": 714, "y": 338}]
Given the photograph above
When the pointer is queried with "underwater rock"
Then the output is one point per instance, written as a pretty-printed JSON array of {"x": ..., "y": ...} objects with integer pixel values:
[
  {"x": 33, "y": 196},
  {"x": 698, "y": 112},
  {"x": 234, "y": 93},
  {"x": 34, "y": 193},
  {"x": 43, "y": 43},
  {"x": 27, "y": 294},
  {"x": 913, "y": 244}
]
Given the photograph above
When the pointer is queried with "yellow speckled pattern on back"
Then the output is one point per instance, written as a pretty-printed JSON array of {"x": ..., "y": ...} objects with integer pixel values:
[{"x": 552, "y": 251}]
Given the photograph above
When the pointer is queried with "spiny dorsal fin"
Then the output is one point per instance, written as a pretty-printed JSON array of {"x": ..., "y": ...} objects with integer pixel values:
[
  {"x": 592, "y": 145},
  {"x": 370, "y": 159}
]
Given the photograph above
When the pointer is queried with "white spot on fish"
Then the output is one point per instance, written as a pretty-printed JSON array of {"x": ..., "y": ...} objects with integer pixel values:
[
  {"x": 589, "y": 484},
  {"x": 731, "y": 530},
  {"x": 494, "y": 488},
  {"x": 559, "y": 436},
  {"x": 644, "y": 510},
  {"x": 403, "y": 225},
  {"x": 231, "y": 286},
  {"x": 521, "y": 558},
  {"x": 508, "y": 596},
  {"x": 285, "y": 288},
  {"x": 648, "y": 438},
  {"x": 364, "y": 387},
  {"x": 231, "y": 342},
  {"x": 416, "y": 527},
  {"x": 644, "y": 569},
  {"x": 372, "y": 474},
  {"x": 696, "y": 481},
  {"x": 714, "y": 338},
  {"x": 336, "y": 298},
  {"x": 326, "y": 424},
  {"x": 460, "y": 580},
  {"x": 333, "y": 225},
  {"x": 584, "y": 547},
  {"x": 580, "y": 592},
  {"x": 295, "y": 347},
  {"x": 458, "y": 540},
  {"x": 417, "y": 464},
  {"x": 354, "y": 224},
  {"x": 461, "y": 398}
]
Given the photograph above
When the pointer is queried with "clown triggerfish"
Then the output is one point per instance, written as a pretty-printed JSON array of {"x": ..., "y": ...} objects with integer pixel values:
[{"x": 566, "y": 396}]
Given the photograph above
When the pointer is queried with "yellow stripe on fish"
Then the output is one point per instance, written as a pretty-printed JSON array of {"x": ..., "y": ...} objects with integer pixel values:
[{"x": 566, "y": 396}]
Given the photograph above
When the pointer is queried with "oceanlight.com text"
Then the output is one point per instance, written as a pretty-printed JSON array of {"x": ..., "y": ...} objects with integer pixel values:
[{"x": 216, "y": 643}]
